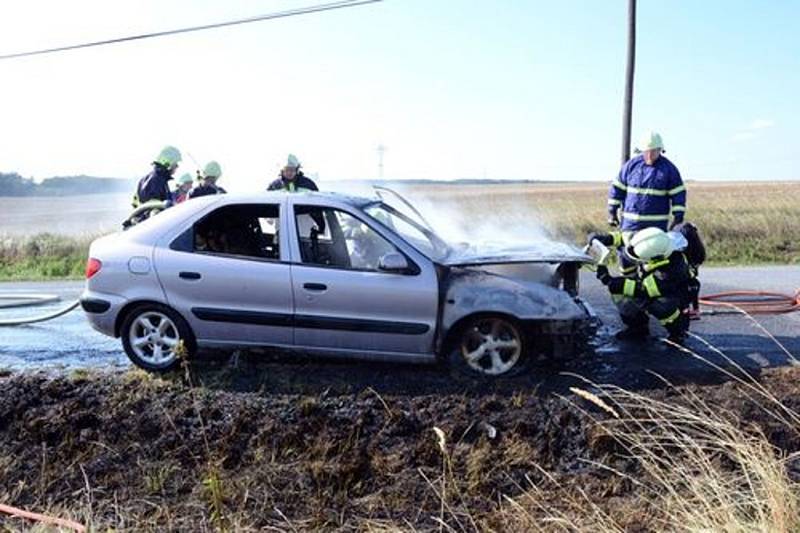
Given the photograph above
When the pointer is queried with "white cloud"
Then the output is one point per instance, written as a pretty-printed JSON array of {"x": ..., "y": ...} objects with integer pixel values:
[
  {"x": 743, "y": 136},
  {"x": 761, "y": 123},
  {"x": 753, "y": 130}
]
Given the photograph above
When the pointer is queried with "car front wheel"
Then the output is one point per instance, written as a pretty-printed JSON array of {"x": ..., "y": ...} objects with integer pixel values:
[
  {"x": 489, "y": 346},
  {"x": 156, "y": 337}
]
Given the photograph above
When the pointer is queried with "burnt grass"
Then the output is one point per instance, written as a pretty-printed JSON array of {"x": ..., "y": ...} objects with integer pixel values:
[{"x": 254, "y": 448}]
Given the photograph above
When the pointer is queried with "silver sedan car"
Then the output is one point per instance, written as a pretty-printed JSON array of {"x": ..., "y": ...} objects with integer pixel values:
[{"x": 331, "y": 275}]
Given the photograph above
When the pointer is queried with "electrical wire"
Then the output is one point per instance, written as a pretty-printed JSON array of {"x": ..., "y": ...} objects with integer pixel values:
[{"x": 269, "y": 16}]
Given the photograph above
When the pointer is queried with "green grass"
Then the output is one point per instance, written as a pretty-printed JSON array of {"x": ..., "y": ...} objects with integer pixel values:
[{"x": 43, "y": 256}]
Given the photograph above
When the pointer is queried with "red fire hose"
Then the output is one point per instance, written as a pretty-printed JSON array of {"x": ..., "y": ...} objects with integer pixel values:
[
  {"x": 44, "y": 519},
  {"x": 754, "y": 302}
]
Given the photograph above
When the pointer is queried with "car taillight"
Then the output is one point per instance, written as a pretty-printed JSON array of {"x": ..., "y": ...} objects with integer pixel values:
[{"x": 93, "y": 266}]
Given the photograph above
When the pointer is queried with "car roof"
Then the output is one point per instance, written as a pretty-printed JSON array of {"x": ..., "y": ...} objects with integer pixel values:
[
  {"x": 298, "y": 197},
  {"x": 150, "y": 230}
]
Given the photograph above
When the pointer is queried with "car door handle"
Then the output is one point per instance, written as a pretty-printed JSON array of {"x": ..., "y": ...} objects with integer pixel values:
[
  {"x": 190, "y": 275},
  {"x": 315, "y": 287}
]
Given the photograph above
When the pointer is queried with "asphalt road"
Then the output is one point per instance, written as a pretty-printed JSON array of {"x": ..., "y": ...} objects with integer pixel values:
[{"x": 68, "y": 342}]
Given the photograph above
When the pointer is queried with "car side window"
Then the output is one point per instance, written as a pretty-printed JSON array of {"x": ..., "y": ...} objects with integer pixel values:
[
  {"x": 247, "y": 230},
  {"x": 331, "y": 237}
]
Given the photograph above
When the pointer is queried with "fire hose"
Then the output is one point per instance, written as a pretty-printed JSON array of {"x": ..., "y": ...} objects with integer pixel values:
[
  {"x": 18, "y": 300},
  {"x": 44, "y": 519},
  {"x": 752, "y": 302}
]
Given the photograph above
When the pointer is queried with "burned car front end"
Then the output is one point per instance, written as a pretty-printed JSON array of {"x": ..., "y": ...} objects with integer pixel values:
[
  {"x": 540, "y": 288},
  {"x": 499, "y": 305}
]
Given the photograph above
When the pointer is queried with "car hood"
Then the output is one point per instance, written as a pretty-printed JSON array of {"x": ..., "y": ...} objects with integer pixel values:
[
  {"x": 469, "y": 291},
  {"x": 545, "y": 252}
]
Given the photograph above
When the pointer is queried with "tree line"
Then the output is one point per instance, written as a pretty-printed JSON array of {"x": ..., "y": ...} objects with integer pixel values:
[{"x": 12, "y": 184}]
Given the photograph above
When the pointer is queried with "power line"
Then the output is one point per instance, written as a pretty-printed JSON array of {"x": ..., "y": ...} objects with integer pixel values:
[{"x": 269, "y": 16}]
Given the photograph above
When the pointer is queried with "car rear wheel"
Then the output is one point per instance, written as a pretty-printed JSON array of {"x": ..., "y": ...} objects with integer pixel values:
[
  {"x": 490, "y": 346},
  {"x": 156, "y": 337}
]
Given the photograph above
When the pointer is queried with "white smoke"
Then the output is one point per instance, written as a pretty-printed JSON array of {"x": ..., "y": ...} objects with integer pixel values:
[{"x": 484, "y": 217}]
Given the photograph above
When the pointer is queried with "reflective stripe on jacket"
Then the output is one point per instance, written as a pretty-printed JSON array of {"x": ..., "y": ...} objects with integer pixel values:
[
  {"x": 662, "y": 278},
  {"x": 647, "y": 195}
]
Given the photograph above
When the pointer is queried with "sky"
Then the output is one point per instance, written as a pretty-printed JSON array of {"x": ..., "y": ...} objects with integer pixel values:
[{"x": 454, "y": 89}]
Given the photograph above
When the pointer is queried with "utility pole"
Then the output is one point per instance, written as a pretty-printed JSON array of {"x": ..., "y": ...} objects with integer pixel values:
[
  {"x": 628, "y": 102},
  {"x": 381, "y": 150}
]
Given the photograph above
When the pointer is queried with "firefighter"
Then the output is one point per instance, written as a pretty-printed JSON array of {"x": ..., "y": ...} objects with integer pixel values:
[
  {"x": 155, "y": 186},
  {"x": 659, "y": 287},
  {"x": 181, "y": 194},
  {"x": 208, "y": 186},
  {"x": 648, "y": 193},
  {"x": 292, "y": 178}
]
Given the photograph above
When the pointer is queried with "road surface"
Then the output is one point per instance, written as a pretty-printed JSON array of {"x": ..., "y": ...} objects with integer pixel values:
[{"x": 68, "y": 342}]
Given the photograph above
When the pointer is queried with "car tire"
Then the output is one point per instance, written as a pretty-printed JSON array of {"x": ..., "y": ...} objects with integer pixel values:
[
  {"x": 151, "y": 335},
  {"x": 489, "y": 347}
]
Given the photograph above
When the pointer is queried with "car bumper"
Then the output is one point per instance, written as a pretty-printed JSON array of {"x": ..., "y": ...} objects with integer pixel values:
[
  {"x": 102, "y": 310},
  {"x": 563, "y": 339}
]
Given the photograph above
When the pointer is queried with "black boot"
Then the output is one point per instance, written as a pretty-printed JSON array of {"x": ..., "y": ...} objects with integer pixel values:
[
  {"x": 678, "y": 337},
  {"x": 678, "y": 330}
]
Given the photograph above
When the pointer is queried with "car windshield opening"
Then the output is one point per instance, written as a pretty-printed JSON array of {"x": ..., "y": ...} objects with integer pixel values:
[{"x": 421, "y": 238}]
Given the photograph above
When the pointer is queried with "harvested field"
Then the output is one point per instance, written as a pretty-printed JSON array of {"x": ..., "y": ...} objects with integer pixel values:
[{"x": 743, "y": 223}]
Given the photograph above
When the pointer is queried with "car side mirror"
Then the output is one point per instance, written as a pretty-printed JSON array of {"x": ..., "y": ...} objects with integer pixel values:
[{"x": 393, "y": 262}]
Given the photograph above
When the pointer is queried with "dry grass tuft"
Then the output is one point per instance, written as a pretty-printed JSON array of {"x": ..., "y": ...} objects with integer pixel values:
[{"x": 699, "y": 468}]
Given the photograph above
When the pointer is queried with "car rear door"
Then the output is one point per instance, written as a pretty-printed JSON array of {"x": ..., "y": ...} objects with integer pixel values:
[
  {"x": 343, "y": 301},
  {"x": 229, "y": 275}
]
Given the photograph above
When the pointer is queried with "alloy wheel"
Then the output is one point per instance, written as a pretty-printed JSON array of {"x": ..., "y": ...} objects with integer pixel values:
[{"x": 491, "y": 346}]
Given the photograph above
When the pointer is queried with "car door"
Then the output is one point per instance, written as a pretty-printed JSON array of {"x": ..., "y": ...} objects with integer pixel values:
[
  {"x": 229, "y": 275},
  {"x": 343, "y": 300}
]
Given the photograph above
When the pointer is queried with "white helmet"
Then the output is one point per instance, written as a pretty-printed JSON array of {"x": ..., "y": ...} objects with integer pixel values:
[
  {"x": 186, "y": 178},
  {"x": 169, "y": 156},
  {"x": 292, "y": 161},
  {"x": 648, "y": 244},
  {"x": 650, "y": 141},
  {"x": 212, "y": 170}
]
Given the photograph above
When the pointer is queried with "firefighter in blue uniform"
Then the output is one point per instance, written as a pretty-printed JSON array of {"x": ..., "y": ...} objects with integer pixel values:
[
  {"x": 155, "y": 186},
  {"x": 648, "y": 193},
  {"x": 292, "y": 179},
  {"x": 208, "y": 186},
  {"x": 659, "y": 285}
]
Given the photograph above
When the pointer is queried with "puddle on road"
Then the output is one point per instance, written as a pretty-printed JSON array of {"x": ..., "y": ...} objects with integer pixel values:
[
  {"x": 69, "y": 343},
  {"x": 66, "y": 342}
]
